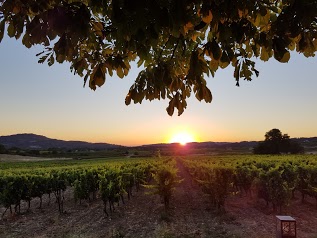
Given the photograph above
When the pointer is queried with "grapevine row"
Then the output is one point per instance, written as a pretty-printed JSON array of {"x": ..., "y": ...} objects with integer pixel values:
[
  {"x": 111, "y": 182},
  {"x": 274, "y": 179}
]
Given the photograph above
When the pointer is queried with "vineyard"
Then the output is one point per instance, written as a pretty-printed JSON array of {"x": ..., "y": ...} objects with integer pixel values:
[
  {"x": 194, "y": 196},
  {"x": 111, "y": 180},
  {"x": 274, "y": 179}
]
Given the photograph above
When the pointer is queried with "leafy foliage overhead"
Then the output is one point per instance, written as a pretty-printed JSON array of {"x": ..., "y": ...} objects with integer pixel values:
[{"x": 178, "y": 42}]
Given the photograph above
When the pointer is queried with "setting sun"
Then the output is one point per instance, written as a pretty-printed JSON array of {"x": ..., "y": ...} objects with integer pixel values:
[{"x": 182, "y": 138}]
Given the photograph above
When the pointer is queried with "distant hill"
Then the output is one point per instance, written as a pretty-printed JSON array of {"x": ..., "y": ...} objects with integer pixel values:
[{"x": 38, "y": 142}]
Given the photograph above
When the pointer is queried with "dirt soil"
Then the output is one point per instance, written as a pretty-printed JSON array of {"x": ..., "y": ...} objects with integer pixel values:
[{"x": 144, "y": 216}]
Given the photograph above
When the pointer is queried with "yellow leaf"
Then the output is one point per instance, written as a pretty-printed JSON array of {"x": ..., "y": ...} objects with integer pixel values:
[
  {"x": 107, "y": 51},
  {"x": 223, "y": 64},
  {"x": 257, "y": 20},
  {"x": 240, "y": 13},
  {"x": 207, "y": 19},
  {"x": 286, "y": 57},
  {"x": 98, "y": 28},
  {"x": 243, "y": 13},
  {"x": 264, "y": 54},
  {"x": 315, "y": 43},
  {"x": 213, "y": 65},
  {"x": 16, "y": 9},
  {"x": 131, "y": 56},
  {"x": 194, "y": 37},
  {"x": 188, "y": 26},
  {"x": 234, "y": 61},
  {"x": 126, "y": 71},
  {"x": 127, "y": 65},
  {"x": 291, "y": 46},
  {"x": 120, "y": 72},
  {"x": 249, "y": 50}
]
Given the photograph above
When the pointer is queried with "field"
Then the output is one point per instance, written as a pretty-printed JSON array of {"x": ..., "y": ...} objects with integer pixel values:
[{"x": 236, "y": 207}]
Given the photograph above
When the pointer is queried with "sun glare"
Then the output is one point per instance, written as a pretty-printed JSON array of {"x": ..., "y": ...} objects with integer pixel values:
[{"x": 182, "y": 138}]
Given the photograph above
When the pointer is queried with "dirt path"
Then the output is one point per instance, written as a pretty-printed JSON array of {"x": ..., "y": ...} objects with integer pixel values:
[{"x": 192, "y": 215}]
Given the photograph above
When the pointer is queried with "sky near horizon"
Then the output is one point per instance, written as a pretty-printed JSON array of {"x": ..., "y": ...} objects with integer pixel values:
[{"x": 51, "y": 101}]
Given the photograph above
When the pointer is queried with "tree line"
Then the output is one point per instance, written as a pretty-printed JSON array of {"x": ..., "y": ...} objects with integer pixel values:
[{"x": 277, "y": 143}]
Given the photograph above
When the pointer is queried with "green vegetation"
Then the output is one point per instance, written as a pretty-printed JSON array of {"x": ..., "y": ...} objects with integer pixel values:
[
  {"x": 113, "y": 179},
  {"x": 165, "y": 180},
  {"x": 272, "y": 178},
  {"x": 2, "y": 149},
  {"x": 177, "y": 42}
]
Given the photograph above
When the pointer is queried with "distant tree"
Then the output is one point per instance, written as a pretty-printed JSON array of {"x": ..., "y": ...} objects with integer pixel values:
[
  {"x": 296, "y": 148},
  {"x": 34, "y": 152},
  {"x": 14, "y": 150},
  {"x": 276, "y": 143},
  {"x": 2, "y": 149}
]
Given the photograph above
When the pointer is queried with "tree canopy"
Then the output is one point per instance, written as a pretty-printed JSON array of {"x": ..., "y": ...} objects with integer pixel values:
[
  {"x": 2, "y": 149},
  {"x": 276, "y": 143},
  {"x": 177, "y": 43}
]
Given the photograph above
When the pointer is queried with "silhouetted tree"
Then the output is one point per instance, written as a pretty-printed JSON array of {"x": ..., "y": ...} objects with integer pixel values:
[
  {"x": 296, "y": 148},
  {"x": 276, "y": 143}
]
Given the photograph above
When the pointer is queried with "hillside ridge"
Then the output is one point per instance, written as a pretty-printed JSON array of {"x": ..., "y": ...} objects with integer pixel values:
[
  {"x": 33, "y": 141},
  {"x": 40, "y": 142}
]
